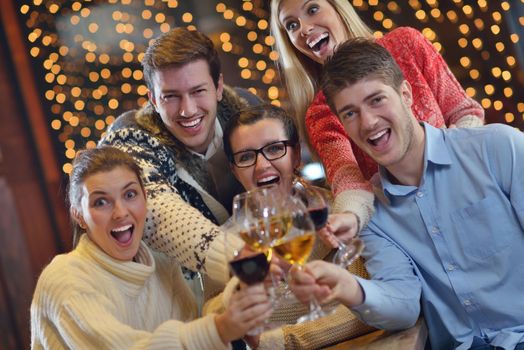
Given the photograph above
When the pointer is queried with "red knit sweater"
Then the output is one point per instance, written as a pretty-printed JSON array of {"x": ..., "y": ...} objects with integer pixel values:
[{"x": 438, "y": 99}]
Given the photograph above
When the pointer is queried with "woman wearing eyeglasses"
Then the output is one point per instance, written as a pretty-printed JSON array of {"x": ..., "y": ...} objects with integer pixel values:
[{"x": 263, "y": 148}]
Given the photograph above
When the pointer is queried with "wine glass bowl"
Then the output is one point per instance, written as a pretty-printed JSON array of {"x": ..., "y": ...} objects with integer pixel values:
[{"x": 317, "y": 201}]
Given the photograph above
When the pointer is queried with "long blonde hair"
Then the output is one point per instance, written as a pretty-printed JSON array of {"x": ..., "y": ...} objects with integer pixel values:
[{"x": 301, "y": 74}]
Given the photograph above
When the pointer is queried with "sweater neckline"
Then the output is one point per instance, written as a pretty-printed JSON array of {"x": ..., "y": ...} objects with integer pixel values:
[{"x": 132, "y": 272}]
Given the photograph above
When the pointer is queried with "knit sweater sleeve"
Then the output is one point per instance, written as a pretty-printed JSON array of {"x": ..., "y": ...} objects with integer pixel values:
[
  {"x": 330, "y": 141},
  {"x": 414, "y": 52},
  {"x": 173, "y": 226}
]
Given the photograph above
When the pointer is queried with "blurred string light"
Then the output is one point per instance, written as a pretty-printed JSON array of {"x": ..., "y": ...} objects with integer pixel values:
[{"x": 87, "y": 53}]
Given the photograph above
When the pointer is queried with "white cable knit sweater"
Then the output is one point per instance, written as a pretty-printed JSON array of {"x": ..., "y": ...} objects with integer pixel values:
[{"x": 88, "y": 300}]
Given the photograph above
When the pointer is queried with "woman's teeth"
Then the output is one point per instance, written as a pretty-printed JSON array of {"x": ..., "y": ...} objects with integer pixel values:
[
  {"x": 268, "y": 180},
  {"x": 122, "y": 234}
]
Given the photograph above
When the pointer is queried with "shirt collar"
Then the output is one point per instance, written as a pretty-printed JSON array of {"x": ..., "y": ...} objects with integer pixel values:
[
  {"x": 435, "y": 152},
  {"x": 215, "y": 145}
]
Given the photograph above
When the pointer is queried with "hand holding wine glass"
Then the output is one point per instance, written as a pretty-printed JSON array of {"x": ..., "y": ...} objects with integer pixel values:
[
  {"x": 317, "y": 201},
  {"x": 296, "y": 246}
]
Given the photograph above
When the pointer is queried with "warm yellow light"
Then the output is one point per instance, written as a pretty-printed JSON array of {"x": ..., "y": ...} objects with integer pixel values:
[
  {"x": 262, "y": 24},
  {"x": 468, "y": 10},
  {"x": 100, "y": 124},
  {"x": 506, "y": 75},
  {"x": 148, "y": 33},
  {"x": 90, "y": 144},
  {"x": 227, "y": 47},
  {"x": 489, "y": 89},
  {"x": 69, "y": 144},
  {"x": 225, "y": 37},
  {"x": 471, "y": 91},
  {"x": 160, "y": 18},
  {"x": 24, "y": 9},
  {"x": 94, "y": 76},
  {"x": 56, "y": 124},
  {"x": 499, "y": 46},
  {"x": 435, "y": 13},
  {"x": 273, "y": 55},
  {"x": 387, "y": 23},
  {"x": 496, "y": 72},
  {"x": 67, "y": 117},
  {"x": 137, "y": 74},
  {"x": 126, "y": 72},
  {"x": 486, "y": 103},
  {"x": 146, "y": 14},
  {"x": 378, "y": 16},
  {"x": 452, "y": 16},
  {"x": 53, "y": 8},
  {"x": 93, "y": 27},
  {"x": 240, "y": 21},
  {"x": 113, "y": 103},
  {"x": 85, "y": 132},
  {"x": 269, "y": 40},
  {"x": 252, "y": 36},
  {"x": 247, "y": 6},
  {"x": 496, "y": 16},
  {"x": 505, "y": 5},
  {"x": 474, "y": 74},
  {"x": 464, "y": 29},
  {"x": 465, "y": 61},
  {"x": 67, "y": 168},
  {"x": 495, "y": 29},
  {"x": 257, "y": 48},
  {"x": 34, "y": 51},
  {"x": 511, "y": 61},
  {"x": 125, "y": 88},
  {"x": 187, "y": 17},
  {"x": 498, "y": 105},
  {"x": 79, "y": 105},
  {"x": 228, "y": 14},
  {"x": 514, "y": 37},
  {"x": 272, "y": 92},
  {"x": 509, "y": 117},
  {"x": 261, "y": 65},
  {"x": 141, "y": 90},
  {"x": 245, "y": 73},
  {"x": 463, "y": 42},
  {"x": 508, "y": 92},
  {"x": 220, "y": 7},
  {"x": 74, "y": 121},
  {"x": 243, "y": 62},
  {"x": 477, "y": 43},
  {"x": 61, "y": 79},
  {"x": 479, "y": 23},
  {"x": 421, "y": 15}
]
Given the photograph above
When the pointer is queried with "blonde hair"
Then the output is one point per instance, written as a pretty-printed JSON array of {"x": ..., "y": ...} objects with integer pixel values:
[{"x": 301, "y": 74}]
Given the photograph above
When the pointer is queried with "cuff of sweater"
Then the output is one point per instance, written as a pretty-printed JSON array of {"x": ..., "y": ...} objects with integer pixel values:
[
  {"x": 272, "y": 340},
  {"x": 230, "y": 288},
  {"x": 359, "y": 202},
  {"x": 202, "y": 333},
  {"x": 469, "y": 121},
  {"x": 217, "y": 266}
]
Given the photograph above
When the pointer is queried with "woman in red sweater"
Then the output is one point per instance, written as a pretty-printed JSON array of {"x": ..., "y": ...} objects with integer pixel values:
[{"x": 306, "y": 33}]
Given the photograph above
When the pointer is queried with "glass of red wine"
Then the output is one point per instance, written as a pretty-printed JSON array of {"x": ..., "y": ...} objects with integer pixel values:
[{"x": 318, "y": 201}]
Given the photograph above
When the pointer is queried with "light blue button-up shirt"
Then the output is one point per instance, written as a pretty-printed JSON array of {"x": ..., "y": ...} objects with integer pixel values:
[{"x": 455, "y": 244}]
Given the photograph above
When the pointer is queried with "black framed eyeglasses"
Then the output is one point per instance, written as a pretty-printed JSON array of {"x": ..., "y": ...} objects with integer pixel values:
[{"x": 271, "y": 151}]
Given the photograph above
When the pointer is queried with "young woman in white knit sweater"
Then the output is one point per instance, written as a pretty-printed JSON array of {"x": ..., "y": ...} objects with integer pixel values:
[{"x": 111, "y": 291}]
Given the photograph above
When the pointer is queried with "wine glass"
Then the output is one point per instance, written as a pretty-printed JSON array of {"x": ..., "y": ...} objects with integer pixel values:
[
  {"x": 317, "y": 201},
  {"x": 249, "y": 265},
  {"x": 257, "y": 215},
  {"x": 296, "y": 246}
]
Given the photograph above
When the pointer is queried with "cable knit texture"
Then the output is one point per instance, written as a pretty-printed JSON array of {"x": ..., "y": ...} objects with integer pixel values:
[
  {"x": 438, "y": 99},
  {"x": 87, "y": 300}
]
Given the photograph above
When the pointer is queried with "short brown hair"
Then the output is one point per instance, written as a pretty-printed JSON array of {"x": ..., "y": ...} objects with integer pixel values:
[
  {"x": 358, "y": 59},
  {"x": 179, "y": 47}
]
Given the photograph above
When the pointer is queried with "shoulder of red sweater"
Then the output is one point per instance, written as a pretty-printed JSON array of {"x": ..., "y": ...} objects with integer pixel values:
[{"x": 403, "y": 34}]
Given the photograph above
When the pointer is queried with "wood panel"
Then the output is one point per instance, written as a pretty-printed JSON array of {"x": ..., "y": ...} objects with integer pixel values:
[{"x": 33, "y": 220}]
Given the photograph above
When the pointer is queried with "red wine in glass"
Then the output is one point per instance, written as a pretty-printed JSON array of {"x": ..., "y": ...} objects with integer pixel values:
[
  {"x": 251, "y": 269},
  {"x": 319, "y": 217}
]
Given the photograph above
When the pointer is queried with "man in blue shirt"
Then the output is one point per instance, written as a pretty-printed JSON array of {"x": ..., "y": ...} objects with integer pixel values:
[{"x": 448, "y": 229}]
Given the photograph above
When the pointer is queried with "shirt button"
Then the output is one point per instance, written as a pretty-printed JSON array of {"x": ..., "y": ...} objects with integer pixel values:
[
  {"x": 367, "y": 312},
  {"x": 451, "y": 267},
  {"x": 420, "y": 194},
  {"x": 467, "y": 302},
  {"x": 434, "y": 229}
]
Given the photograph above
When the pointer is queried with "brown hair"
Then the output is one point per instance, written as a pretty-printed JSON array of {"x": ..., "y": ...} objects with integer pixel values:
[
  {"x": 358, "y": 59},
  {"x": 176, "y": 48},
  {"x": 250, "y": 116},
  {"x": 92, "y": 161}
]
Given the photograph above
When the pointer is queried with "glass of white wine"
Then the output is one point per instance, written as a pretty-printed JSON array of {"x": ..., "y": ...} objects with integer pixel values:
[{"x": 296, "y": 246}]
